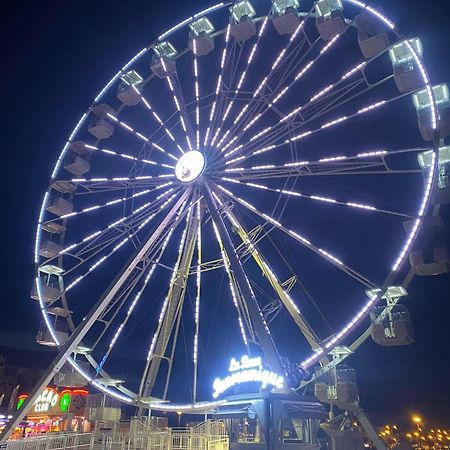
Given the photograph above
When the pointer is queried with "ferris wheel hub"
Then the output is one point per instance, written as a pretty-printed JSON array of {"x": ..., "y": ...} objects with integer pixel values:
[{"x": 190, "y": 166}]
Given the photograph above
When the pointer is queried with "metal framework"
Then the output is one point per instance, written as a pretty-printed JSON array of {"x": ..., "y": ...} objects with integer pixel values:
[{"x": 236, "y": 152}]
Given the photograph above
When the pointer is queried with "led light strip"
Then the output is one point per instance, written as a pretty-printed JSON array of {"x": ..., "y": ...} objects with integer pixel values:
[
  {"x": 127, "y": 127},
  {"x": 197, "y": 95},
  {"x": 105, "y": 179},
  {"x": 331, "y": 159},
  {"x": 319, "y": 198},
  {"x": 218, "y": 84},
  {"x": 306, "y": 242},
  {"x": 113, "y": 202},
  {"x": 177, "y": 103},
  {"x": 126, "y": 156},
  {"x": 326, "y": 125},
  {"x": 158, "y": 119},
  {"x": 91, "y": 236},
  {"x": 139, "y": 294},
  {"x": 231, "y": 282},
  {"x": 198, "y": 280},
  {"x": 175, "y": 270},
  {"x": 119, "y": 245},
  {"x": 300, "y": 75}
]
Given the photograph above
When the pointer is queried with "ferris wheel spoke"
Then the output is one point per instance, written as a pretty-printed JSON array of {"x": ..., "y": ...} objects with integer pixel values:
[
  {"x": 363, "y": 163},
  {"x": 325, "y": 126},
  {"x": 235, "y": 295},
  {"x": 121, "y": 243},
  {"x": 119, "y": 201},
  {"x": 247, "y": 114},
  {"x": 324, "y": 254},
  {"x": 357, "y": 205},
  {"x": 151, "y": 265},
  {"x": 162, "y": 124},
  {"x": 175, "y": 89},
  {"x": 137, "y": 214},
  {"x": 242, "y": 77},
  {"x": 198, "y": 275},
  {"x": 108, "y": 151},
  {"x": 223, "y": 62},
  {"x": 171, "y": 310},
  {"x": 140, "y": 136},
  {"x": 268, "y": 272}
]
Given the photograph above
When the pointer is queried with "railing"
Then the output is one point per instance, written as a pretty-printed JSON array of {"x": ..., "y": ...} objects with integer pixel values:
[
  {"x": 57, "y": 441},
  {"x": 209, "y": 435}
]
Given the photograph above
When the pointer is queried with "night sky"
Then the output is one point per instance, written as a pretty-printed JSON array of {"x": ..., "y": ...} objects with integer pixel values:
[{"x": 56, "y": 57}]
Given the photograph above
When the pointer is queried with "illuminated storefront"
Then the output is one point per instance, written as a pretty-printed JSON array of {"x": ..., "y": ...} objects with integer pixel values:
[
  {"x": 54, "y": 411},
  {"x": 261, "y": 412}
]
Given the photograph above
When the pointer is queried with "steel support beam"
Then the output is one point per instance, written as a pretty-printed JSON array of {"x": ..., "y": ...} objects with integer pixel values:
[
  {"x": 176, "y": 296},
  {"x": 89, "y": 320},
  {"x": 267, "y": 345}
]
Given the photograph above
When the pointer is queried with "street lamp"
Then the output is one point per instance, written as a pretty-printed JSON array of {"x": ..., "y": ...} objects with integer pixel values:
[{"x": 417, "y": 420}]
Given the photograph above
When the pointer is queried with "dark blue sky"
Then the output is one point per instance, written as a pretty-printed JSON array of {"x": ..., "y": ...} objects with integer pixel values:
[{"x": 57, "y": 55}]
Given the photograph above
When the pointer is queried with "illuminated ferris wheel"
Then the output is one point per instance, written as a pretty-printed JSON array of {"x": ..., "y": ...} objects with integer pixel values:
[{"x": 274, "y": 149}]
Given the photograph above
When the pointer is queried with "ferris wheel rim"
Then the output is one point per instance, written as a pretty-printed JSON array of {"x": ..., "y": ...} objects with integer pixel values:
[{"x": 314, "y": 358}]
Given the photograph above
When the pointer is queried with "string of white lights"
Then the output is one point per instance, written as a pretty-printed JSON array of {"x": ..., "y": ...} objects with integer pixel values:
[
  {"x": 121, "y": 179},
  {"x": 118, "y": 246},
  {"x": 298, "y": 77},
  {"x": 115, "y": 223},
  {"x": 262, "y": 84},
  {"x": 175, "y": 271},
  {"x": 307, "y": 133},
  {"x": 158, "y": 119},
  {"x": 218, "y": 85},
  {"x": 197, "y": 95},
  {"x": 301, "y": 239},
  {"x": 242, "y": 77},
  {"x": 140, "y": 292},
  {"x": 319, "y": 198},
  {"x": 197, "y": 298},
  {"x": 115, "y": 201},
  {"x": 127, "y": 156},
  {"x": 231, "y": 283},
  {"x": 177, "y": 101},
  {"x": 130, "y": 129}
]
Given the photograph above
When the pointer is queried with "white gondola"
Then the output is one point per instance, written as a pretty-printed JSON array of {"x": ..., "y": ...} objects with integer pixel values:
[
  {"x": 242, "y": 25},
  {"x": 431, "y": 253},
  {"x": 130, "y": 88},
  {"x": 441, "y": 195},
  {"x": 337, "y": 386},
  {"x": 422, "y": 104},
  {"x": 77, "y": 165},
  {"x": 49, "y": 249},
  {"x": 407, "y": 74},
  {"x": 48, "y": 288},
  {"x": 53, "y": 227},
  {"x": 163, "y": 60},
  {"x": 392, "y": 328},
  {"x": 60, "y": 206},
  {"x": 79, "y": 147},
  {"x": 201, "y": 40},
  {"x": 44, "y": 336},
  {"x": 101, "y": 129},
  {"x": 372, "y": 39},
  {"x": 65, "y": 187},
  {"x": 68, "y": 377},
  {"x": 330, "y": 19},
  {"x": 102, "y": 110},
  {"x": 284, "y": 15}
]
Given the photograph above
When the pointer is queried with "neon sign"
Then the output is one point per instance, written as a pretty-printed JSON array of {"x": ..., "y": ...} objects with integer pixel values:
[
  {"x": 247, "y": 370},
  {"x": 46, "y": 401}
]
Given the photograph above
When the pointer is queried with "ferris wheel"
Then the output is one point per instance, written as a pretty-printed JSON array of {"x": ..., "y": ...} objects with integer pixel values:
[{"x": 262, "y": 161}]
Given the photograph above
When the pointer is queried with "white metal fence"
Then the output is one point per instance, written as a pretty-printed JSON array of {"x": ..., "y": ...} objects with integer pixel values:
[
  {"x": 56, "y": 441},
  {"x": 206, "y": 436}
]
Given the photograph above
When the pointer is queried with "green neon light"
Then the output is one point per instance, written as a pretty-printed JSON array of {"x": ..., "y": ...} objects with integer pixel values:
[
  {"x": 64, "y": 402},
  {"x": 20, "y": 402}
]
